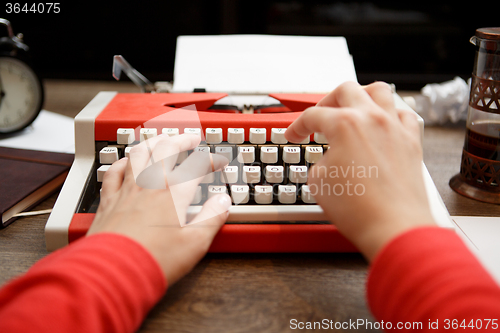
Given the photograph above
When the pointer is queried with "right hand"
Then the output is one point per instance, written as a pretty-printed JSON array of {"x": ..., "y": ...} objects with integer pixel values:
[{"x": 369, "y": 183}]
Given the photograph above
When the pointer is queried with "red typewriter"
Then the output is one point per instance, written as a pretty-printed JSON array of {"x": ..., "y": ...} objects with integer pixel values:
[
  {"x": 279, "y": 222},
  {"x": 273, "y": 209}
]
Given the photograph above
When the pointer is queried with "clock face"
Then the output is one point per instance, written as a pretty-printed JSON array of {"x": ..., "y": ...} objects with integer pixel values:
[{"x": 21, "y": 95}]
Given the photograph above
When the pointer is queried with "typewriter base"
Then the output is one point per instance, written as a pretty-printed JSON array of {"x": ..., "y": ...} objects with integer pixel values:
[{"x": 256, "y": 238}]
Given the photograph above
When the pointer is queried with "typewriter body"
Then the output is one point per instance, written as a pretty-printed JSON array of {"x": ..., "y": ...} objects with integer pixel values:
[
  {"x": 273, "y": 209},
  {"x": 272, "y": 212}
]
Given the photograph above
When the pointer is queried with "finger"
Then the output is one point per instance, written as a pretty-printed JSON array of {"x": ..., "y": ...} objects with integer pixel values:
[
  {"x": 168, "y": 149},
  {"x": 158, "y": 148},
  {"x": 183, "y": 181},
  {"x": 113, "y": 178},
  {"x": 212, "y": 215},
  {"x": 153, "y": 177},
  {"x": 158, "y": 175},
  {"x": 312, "y": 120},
  {"x": 381, "y": 94},
  {"x": 410, "y": 121},
  {"x": 348, "y": 94},
  {"x": 196, "y": 166},
  {"x": 140, "y": 155},
  {"x": 129, "y": 178}
]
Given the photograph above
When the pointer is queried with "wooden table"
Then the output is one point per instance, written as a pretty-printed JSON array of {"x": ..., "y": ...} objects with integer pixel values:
[{"x": 245, "y": 292}]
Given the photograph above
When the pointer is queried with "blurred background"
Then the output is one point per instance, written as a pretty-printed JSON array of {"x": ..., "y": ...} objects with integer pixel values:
[{"x": 409, "y": 44}]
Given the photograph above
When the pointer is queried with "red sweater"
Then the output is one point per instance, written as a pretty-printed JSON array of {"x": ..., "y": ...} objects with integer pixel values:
[
  {"x": 102, "y": 283},
  {"x": 108, "y": 283},
  {"x": 428, "y": 275}
]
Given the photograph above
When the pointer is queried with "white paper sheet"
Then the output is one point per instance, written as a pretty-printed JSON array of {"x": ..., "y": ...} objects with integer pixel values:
[
  {"x": 261, "y": 64},
  {"x": 482, "y": 235},
  {"x": 49, "y": 132}
]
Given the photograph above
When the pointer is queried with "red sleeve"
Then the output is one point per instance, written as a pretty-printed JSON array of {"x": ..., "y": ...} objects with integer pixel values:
[
  {"x": 428, "y": 274},
  {"x": 102, "y": 283}
]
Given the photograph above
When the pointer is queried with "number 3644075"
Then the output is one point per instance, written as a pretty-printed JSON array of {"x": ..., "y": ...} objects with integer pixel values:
[{"x": 33, "y": 8}]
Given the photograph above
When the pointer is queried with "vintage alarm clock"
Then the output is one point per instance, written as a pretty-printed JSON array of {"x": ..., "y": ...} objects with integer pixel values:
[{"x": 21, "y": 90}]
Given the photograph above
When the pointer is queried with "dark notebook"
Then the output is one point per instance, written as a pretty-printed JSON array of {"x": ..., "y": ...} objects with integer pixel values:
[{"x": 27, "y": 177}]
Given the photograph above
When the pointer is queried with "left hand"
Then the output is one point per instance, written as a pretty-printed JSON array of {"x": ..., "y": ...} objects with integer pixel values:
[{"x": 153, "y": 216}]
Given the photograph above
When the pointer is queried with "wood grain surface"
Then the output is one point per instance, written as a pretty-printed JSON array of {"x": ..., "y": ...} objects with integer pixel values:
[{"x": 245, "y": 292}]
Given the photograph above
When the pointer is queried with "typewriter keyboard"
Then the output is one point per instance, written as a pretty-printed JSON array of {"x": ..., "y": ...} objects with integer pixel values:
[{"x": 261, "y": 176}]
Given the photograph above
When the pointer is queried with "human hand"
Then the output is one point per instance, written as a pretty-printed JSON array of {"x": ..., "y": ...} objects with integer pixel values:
[
  {"x": 153, "y": 213},
  {"x": 369, "y": 182}
]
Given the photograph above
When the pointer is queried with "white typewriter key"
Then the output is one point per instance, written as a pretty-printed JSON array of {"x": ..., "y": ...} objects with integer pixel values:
[
  {"x": 298, "y": 174},
  {"x": 147, "y": 133},
  {"x": 235, "y": 135},
  {"x": 197, "y": 196},
  {"x": 229, "y": 175},
  {"x": 291, "y": 154},
  {"x": 101, "y": 171},
  {"x": 216, "y": 189},
  {"x": 274, "y": 173},
  {"x": 213, "y": 135},
  {"x": 124, "y": 136},
  {"x": 240, "y": 194},
  {"x": 287, "y": 194},
  {"x": 108, "y": 155},
  {"x": 196, "y": 131},
  {"x": 127, "y": 151},
  {"x": 263, "y": 194},
  {"x": 246, "y": 154},
  {"x": 268, "y": 154},
  {"x": 278, "y": 136},
  {"x": 225, "y": 151},
  {"x": 257, "y": 135},
  {"x": 251, "y": 174},
  {"x": 170, "y": 131},
  {"x": 320, "y": 138},
  {"x": 305, "y": 194},
  {"x": 203, "y": 149},
  {"x": 313, "y": 154}
]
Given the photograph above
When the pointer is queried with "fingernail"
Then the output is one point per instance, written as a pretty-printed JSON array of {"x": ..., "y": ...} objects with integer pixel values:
[{"x": 225, "y": 201}]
